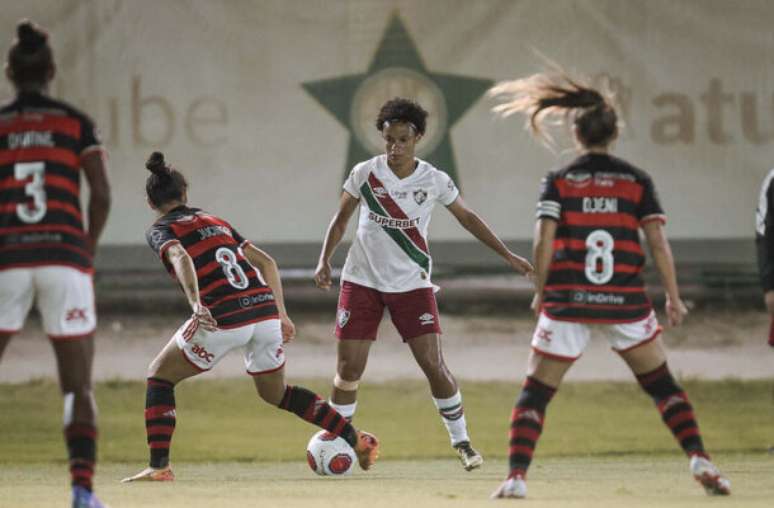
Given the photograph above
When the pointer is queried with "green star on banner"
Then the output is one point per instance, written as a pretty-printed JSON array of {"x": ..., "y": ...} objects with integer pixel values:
[{"x": 397, "y": 70}]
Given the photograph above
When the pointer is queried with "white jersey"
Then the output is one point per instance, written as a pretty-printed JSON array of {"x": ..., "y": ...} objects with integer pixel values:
[{"x": 390, "y": 252}]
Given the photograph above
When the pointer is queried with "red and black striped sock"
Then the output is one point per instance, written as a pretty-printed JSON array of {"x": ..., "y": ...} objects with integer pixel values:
[
  {"x": 310, "y": 407},
  {"x": 527, "y": 424},
  {"x": 82, "y": 451},
  {"x": 159, "y": 419},
  {"x": 676, "y": 411}
]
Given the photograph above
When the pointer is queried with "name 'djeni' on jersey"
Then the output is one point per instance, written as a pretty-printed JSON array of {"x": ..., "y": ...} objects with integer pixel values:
[{"x": 600, "y": 205}]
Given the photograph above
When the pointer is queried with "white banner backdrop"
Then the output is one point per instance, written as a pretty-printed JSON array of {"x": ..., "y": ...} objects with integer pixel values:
[{"x": 262, "y": 103}]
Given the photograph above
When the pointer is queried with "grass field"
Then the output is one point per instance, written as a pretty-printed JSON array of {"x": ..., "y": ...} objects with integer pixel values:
[{"x": 604, "y": 445}]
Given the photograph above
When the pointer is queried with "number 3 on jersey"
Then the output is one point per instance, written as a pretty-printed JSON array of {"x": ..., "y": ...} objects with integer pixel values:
[
  {"x": 231, "y": 269},
  {"x": 599, "y": 256},
  {"x": 31, "y": 213}
]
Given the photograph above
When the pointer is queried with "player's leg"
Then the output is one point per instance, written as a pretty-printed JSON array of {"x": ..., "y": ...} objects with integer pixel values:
[
  {"x": 415, "y": 315},
  {"x": 351, "y": 360},
  {"x": 555, "y": 346},
  {"x": 175, "y": 362},
  {"x": 65, "y": 299},
  {"x": 74, "y": 360},
  {"x": 641, "y": 348},
  {"x": 265, "y": 362},
  {"x": 443, "y": 387},
  {"x": 5, "y": 338},
  {"x": 359, "y": 313}
]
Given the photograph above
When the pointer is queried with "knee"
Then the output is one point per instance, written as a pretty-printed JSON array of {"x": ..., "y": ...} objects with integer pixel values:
[
  {"x": 432, "y": 364},
  {"x": 349, "y": 370}
]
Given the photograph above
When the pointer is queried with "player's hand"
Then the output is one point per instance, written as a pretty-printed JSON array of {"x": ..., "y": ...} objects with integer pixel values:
[
  {"x": 537, "y": 302},
  {"x": 203, "y": 316},
  {"x": 288, "y": 329},
  {"x": 521, "y": 265},
  {"x": 675, "y": 311},
  {"x": 322, "y": 276}
]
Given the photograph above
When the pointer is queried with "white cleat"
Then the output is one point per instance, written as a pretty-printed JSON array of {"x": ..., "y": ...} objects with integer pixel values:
[
  {"x": 705, "y": 472},
  {"x": 513, "y": 488},
  {"x": 150, "y": 474},
  {"x": 469, "y": 457}
]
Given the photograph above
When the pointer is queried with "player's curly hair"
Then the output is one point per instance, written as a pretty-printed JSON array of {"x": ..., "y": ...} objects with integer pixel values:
[
  {"x": 165, "y": 183},
  {"x": 554, "y": 95},
  {"x": 30, "y": 58},
  {"x": 402, "y": 110}
]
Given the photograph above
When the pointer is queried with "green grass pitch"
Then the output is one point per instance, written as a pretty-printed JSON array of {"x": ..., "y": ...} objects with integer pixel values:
[{"x": 604, "y": 445}]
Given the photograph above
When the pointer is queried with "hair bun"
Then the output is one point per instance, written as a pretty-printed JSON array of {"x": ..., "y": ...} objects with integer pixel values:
[
  {"x": 156, "y": 164},
  {"x": 31, "y": 38}
]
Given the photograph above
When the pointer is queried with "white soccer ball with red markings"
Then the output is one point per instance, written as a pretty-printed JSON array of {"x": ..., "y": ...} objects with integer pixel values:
[{"x": 330, "y": 455}]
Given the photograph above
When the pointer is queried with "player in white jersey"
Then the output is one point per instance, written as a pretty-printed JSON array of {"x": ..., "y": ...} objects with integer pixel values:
[{"x": 389, "y": 265}]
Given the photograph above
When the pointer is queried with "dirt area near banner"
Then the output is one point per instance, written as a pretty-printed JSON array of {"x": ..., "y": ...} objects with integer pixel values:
[{"x": 713, "y": 344}]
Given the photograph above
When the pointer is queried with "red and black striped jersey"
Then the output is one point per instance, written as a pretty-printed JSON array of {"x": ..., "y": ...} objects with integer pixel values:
[
  {"x": 599, "y": 202},
  {"x": 229, "y": 286},
  {"x": 42, "y": 141}
]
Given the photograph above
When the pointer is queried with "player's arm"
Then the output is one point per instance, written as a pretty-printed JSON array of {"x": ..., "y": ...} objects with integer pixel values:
[
  {"x": 95, "y": 169},
  {"x": 185, "y": 271},
  {"x": 270, "y": 271},
  {"x": 665, "y": 264},
  {"x": 542, "y": 252},
  {"x": 334, "y": 234},
  {"x": 471, "y": 221}
]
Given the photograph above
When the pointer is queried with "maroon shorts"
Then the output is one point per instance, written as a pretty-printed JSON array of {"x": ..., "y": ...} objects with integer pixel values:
[{"x": 360, "y": 311}]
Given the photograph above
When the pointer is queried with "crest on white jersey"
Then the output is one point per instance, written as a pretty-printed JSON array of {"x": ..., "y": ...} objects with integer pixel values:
[{"x": 420, "y": 196}]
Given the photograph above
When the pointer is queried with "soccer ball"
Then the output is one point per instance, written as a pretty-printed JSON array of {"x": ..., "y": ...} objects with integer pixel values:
[{"x": 329, "y": 455}]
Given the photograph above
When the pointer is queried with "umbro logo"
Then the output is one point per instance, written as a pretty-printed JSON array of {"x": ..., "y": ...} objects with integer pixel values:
[
  {"x": 426, "y": 319},
  {"x": 380, "y": 192}
]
